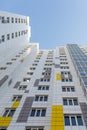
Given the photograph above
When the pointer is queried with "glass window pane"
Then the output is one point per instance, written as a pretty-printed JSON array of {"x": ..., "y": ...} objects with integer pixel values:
[
  {"x": 64, "y": 89},
  {"x": 36, "y": 98},
  {"x": 43, "y": 88},
  {"x": 75, "y": 102},
  {"x": 72, "y": 89},
  {"x": 32, "y": 113},
  {"x": 19, "y": 98},
  {"x": 73, "y": 120},
  {"x": 6, "y": 112},
  {"x": 64, "y": 102},
  {"x": 38, "y": 113},
  {"x": 41, "y": 98},
  {"x": 70, "y": 102},
  {"x": 67, "y": 120},
  {"x": 79, "y": 120},
  {"x": 39, "y": 88},
  {"x": 47, "y": 88},
  {"x": 14, "y": 98},
  {"x": 11, "y": 113},
  {"x": 45, "y": 98},
  {"x": 68, "y": 89},
  {"x": 43, "y": 113}
]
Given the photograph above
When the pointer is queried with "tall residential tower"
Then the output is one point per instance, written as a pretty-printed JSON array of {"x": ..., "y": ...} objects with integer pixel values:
[{"x": 40, "y": 89}]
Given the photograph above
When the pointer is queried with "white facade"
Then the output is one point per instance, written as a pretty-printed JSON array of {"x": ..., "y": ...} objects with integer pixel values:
[
  {"x": 14, "y": 33},
  {"x": 42, "y": 89}
]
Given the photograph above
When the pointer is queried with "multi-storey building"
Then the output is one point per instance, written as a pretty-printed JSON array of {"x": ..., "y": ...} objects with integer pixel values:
[{"x": 41, "y": 89}]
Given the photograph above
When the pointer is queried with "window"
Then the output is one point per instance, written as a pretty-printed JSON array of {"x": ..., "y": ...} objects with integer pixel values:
[
  {"x": 19, "y": 33},
  {"x": 41, "y": 98},
  {"x": 9, "y": 112},
  {"x": 22, "y": 87},
  {"x": 73, "y": 120},
  {"x": 45, "y": 80},
  {"x": 38, "y": 112},
  {"x": 68, "y": 89},
  {"x": 3, "y": 68},
  {"x": 65, "y": 102},
  {"x": 66, "y": 76},
  {"x": 26, "y": 79},
  {"x": 3, "y": 19},
  {"x": 19, "y": 20},
  {"x": 9, "y": 63},
  {"x": 47, "y": 68},
  {"x": 43, "y": 87},
  {"x": 12, "y": 35},
  {"x": 8, "y": 20},
  {"x": 34, "y": 128},
  {"x": 70, "y": 101},
  {"x": 13, "y": 59},
  {"x": 79, "y": 120},
  {"x": 17, "y": 56},
  {"x": 8, "y": 36},
  {"x": 67, "y": 121},
  {"x": 63, "y": 59},
  {"x": 34, "y": 64},
  {"x": 3, "y": 38},
  {"x": 17, "y": 97},
  {"x": 49, "y": 61},
  {"x": 64, "y": 67},
  {"x": 48, "y": 64},
  {"x": 36, "y": 61},
  {"x": 46, "y": 73},
  {"x": 15, "y": 20},
  {"x": 30, "y": 73},
  {"x": 63, "y": 62},
  {"x": 32, "y": 68},
  {"x": 15, "y": 34},
  {"x": 12, "y": 20}
]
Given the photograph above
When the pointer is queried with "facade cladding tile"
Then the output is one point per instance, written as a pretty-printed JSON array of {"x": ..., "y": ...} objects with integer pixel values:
[
  {"x": 83, "y": 106},
  {"x": 17, "y": 84},
  {"x": 36, "y": 82},
  {"x": 25, "y": 111},
  {"x": 3, "y": 79}
]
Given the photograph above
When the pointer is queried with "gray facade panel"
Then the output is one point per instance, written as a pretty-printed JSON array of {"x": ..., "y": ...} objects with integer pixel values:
[
  {"x": 84, "y": 112},
  {"x": 36, "y": 82},
  {"x": 17, "y": 84},
  {"x": 57, "y": 65},
  {"x": 24, "y": 113},
  {"x": 3, "y": 79}
]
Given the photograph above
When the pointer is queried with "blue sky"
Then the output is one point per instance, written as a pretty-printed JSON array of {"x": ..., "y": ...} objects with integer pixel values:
[{"x": 53, "y": 22}]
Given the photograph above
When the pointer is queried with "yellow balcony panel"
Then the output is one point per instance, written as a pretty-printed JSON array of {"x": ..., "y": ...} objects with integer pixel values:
[
  {"x": 60, "y": 128},
  {"x": 5, "y": 121},
  {"x": 57, "y": 128},
  {"x": 57, "y": 113},
  {"x": 57, "y": 107},
  {"x": 58, "y": 76},
  {"x": 15, "y": 104},
  {"x": 57, "y": 118},
  {"x": 57, "y": 121}
]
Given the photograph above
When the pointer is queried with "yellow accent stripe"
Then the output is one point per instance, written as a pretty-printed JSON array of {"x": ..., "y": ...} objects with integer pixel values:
[
  {"x": 5, "y": 121},
  {"x": 15, "y": 104},
  {"x": 58, "y": 76},
  {"x": 57, "y": 122}
]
